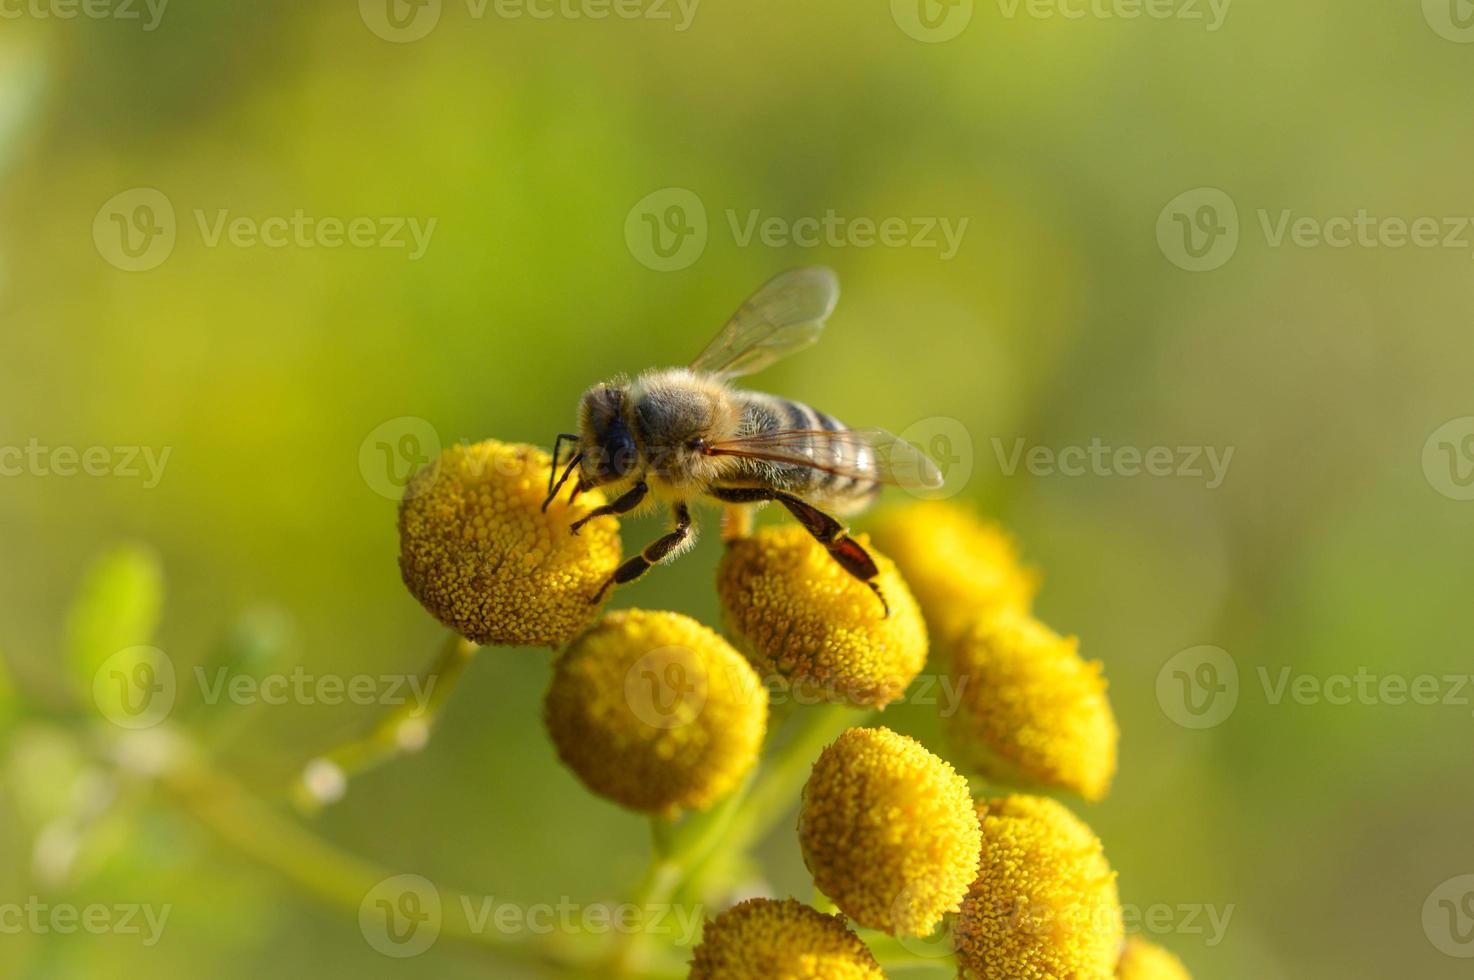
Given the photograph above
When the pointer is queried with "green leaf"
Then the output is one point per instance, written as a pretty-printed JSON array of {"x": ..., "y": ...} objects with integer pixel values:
[{"x": 117, "y": 607}]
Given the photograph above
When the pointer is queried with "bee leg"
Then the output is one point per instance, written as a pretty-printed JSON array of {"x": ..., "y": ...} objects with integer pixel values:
[
  {"x": 623, "y": 504},
  {"x": 557, "y": 453},
  {"x": 845, "y": 550},
  {"x": 554, "y": 488},
  {"x": 658, "y": 549}
]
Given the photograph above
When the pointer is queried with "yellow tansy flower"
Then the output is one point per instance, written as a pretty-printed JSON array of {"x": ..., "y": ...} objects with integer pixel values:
[
  {"x": 1146, "y": 961},
  {"x": 1030, "y": 710},
  {"x": 764, "y": 939},
  {"x": 801, "y": 617},
  {"x": 889, "y": 831},
  {"x": 1044, "y": 905},
  {"x": 477, "y": 550},
  {"x": 958, "y": 565},
  {"x": 656, "y": 712}
]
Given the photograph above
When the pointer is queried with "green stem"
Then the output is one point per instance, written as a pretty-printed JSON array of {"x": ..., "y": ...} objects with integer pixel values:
[
  {"x": 778, "y": 787},
  {"x": 678, "y": 850},
  {"x": 405, "y": 729},
  {"x": 260, "y": 832}
]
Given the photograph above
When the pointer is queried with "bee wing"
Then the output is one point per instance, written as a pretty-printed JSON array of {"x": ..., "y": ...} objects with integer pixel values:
[
  {"x": 865, "y": 454},
  {"x": 785, "y": 315}
]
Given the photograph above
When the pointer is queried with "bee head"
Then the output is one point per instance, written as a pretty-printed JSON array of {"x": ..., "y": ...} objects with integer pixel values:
[{"x": 610, "y": 453}]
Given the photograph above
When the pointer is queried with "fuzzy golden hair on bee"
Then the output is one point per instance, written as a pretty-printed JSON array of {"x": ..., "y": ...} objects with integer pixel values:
[{"x": 683, "y": 433}]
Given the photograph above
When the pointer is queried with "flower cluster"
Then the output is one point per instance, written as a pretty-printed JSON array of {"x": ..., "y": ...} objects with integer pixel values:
[{"x": 662, "y": 715}]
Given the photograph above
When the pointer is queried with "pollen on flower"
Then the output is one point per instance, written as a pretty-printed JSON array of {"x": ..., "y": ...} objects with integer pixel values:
[
  {"x": 959, "y": 565},
  {"x": 889, "y": 831},
  {"x": 800, "y": 617},
  {"x": 765, "y": 939},
  {"x": 656, "y": 712},
  {"x": 480, "y": 554},
  {"x": 1146, "y": 961},
  {"x": 1044, "y": 904},
  {"x": 1031, "y": 711}
]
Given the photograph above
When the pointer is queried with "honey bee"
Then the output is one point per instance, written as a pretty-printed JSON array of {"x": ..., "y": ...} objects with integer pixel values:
[{"x": 677, "y": 434}]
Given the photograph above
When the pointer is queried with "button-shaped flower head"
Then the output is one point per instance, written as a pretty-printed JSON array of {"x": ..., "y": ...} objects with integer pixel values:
[
  {"x": 801, "y": 617},
  {"x": 1044, "y": 904},
  {"x": 764, "y": 939},
  {"x": 1031, "y": 712},
  {"x": 656, "y": 712},
  {"x": 1146, "y": 961},
  {"x": 959, "y": 566},
  {"x": 479, "y": 552},
  {"x": 888, "y": 831}
]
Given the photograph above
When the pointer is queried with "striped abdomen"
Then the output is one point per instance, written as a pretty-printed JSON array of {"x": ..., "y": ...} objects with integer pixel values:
[{"x": 844, "y": 492}]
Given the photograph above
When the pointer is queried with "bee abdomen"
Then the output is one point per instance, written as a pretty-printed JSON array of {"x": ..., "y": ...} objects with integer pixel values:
[{"x": 844, "y": 471}]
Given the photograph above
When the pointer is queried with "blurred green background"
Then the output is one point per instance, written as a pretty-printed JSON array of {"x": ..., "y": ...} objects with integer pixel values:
[{"x": 1336, "y": 541}]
